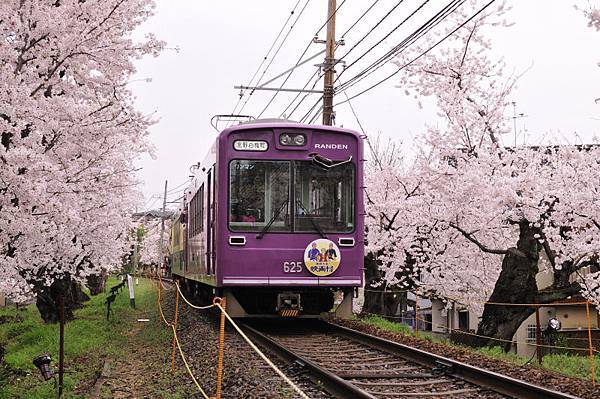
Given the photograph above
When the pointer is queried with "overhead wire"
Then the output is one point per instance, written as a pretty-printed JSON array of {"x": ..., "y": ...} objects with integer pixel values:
[
  {"x": 420, "y": 55},
  {"x": 320, "y": 75},
  {"x": 299, "y": 60},
  {"x": 410, "y": 39},
  {"x": 179, "y": 186},
  {"x": 264, "y": 60},
  {"x": 373, "y": 29}
]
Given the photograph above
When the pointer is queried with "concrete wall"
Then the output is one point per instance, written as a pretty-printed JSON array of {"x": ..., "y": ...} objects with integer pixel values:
[{"x": 575, "y": 318}]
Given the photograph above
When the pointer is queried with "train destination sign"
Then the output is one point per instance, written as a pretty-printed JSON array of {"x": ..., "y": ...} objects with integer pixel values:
[
  {"x": 322, "y": 257},
  {"x": 250, "y": 145}
]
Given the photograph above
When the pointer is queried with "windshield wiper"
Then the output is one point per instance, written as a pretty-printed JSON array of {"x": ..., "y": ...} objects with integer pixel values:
[
  {"x": 275, "y": 216},
  {"x": 312, "y": 220},
  {"x": 327, "y": 163}
]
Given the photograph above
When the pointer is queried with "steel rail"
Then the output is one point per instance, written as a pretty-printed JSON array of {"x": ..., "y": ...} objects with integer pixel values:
[
  {"x": 494, "y": 381},
  {"x": 332, "y": 383}
]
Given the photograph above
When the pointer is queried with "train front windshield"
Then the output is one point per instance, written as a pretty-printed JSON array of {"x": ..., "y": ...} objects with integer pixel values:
[{"x": 291, "y": 196}]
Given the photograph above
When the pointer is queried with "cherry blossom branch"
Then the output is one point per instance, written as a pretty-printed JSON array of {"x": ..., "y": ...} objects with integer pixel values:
[{"x": 469, "y": 236}]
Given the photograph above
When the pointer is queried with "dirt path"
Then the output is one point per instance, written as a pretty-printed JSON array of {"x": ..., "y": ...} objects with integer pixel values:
[{"x": 143, "y": 369}]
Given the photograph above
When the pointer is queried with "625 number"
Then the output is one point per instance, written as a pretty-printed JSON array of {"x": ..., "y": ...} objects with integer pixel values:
[{"x": 292, "y": 267}]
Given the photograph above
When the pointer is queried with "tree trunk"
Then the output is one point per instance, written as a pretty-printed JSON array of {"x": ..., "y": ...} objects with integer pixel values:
[
  {"x": 376, "y": 301},
  {"x": 48, "y": 299},
  {"x": 97, "y": 283},
  {"x": 516, "y": 284}
]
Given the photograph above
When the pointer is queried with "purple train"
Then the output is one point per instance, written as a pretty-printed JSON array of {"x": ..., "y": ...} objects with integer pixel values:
[{"x": 274, "y": 221}]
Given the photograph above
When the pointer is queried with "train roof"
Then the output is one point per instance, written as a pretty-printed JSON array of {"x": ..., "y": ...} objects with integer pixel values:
[{"x": 282, "y": 124}]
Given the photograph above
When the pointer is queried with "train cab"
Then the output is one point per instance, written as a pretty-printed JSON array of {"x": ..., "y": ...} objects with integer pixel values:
[{"x": 275, "y": 219}]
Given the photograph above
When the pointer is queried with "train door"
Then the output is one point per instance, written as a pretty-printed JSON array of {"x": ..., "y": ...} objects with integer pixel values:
[{"x": 209, "y": 223}]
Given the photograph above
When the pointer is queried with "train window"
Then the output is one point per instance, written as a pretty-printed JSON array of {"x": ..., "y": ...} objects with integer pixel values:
[
  {"x": 259, "y": 195},
  {"x": 324, "y": 197}
]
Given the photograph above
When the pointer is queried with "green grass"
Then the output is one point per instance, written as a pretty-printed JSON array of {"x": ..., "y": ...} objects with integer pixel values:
[
  {"x": 573, "y": 366},
  {"x": 497, "y": 352},
  {"x": 89, "y": 339},
  {"x": 387, "y": 325}
]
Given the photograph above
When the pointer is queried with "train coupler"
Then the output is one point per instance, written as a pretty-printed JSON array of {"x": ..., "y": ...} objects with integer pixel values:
[{"x": 288, "y": 304}]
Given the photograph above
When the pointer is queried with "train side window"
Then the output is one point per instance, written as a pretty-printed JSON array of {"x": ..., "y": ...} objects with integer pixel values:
[{"x": 201, "y": 208}]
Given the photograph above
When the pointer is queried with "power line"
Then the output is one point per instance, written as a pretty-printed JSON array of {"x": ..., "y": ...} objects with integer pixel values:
[
  {"x": 404, "y": 44},
  {"x": 379, "y": 42},
  {"x": 420, "y": 55},
  {"x": 355, "y": 116},
  {"x": 317, "y": 72},
  {"x": 299, "y": 60},
  {"x": 179, "y": 186},
  {"x": 264, "y": 60},
  {"x": 372, "y": 30},
  {"x": 299, "y": 93},
  {"x": 277, "y": 51},
  {"x": 421, "y": 31},
  {"x": 360, "y": 18}
]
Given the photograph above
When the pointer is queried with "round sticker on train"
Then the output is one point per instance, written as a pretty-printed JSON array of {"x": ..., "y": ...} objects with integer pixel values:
[{"x": 322, "y": 257}]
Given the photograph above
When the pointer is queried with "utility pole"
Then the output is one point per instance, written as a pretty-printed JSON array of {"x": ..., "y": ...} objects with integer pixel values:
[
  {"x": 514, "y": 118},
  {"x": 329, "y": 65},
  {"x": 162, "y": 228}
]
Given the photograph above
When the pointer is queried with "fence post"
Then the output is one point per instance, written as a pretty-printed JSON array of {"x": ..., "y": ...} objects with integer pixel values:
[
  {"x": 417, "y": 311},
  {"x": 221, "y": 349},
  {"x": 538, "y": 336},
  {"x": 175, "y": 325},
  {"x": 592, "y": 361}
]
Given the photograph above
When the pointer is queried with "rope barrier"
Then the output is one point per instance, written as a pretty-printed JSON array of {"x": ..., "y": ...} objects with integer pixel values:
[
  {"x": 191, "y": 304},
  {"x": 187, "y": 366},
  {"x": 471, "y": 301},
  {"x": 176, "y": 342},
  {"x": 501, "y": 339},
  {"x": 217, "y": 303},
  {"x": 162, "y": 315},
  {"x": 266, "y": 359},
  {"x": 480, "y": 336}
]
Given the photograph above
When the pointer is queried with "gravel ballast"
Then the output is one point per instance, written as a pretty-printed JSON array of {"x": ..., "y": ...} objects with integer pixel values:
[{"x": 531, "y": 374}]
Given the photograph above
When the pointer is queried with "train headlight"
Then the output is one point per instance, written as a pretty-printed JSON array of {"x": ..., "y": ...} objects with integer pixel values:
[
  {"x": 291, "y": 139},
  {"x": 285, "y": 139}
]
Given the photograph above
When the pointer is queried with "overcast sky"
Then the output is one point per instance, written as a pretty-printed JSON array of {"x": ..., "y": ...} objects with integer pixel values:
[{"x": 222, "y": 43}]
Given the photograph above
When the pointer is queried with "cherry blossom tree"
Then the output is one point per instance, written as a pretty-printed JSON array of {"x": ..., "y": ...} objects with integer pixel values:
[
  {"x": 151, "y": 241},
  {"x": 69, "y": 139},
  {"x": 469, "y": 219}
]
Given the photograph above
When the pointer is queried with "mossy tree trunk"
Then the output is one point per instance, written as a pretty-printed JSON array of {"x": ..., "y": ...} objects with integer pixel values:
[{"x": 48, "y": 299}]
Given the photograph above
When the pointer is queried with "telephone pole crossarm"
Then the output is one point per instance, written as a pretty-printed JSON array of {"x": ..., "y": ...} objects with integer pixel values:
[{"x": 277, "y": 89}]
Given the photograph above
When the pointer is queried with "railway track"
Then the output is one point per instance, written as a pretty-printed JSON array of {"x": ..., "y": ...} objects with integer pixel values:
[{"x": 352, "y": 364}]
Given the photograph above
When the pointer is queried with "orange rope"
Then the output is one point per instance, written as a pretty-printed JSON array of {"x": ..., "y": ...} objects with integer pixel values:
[
  {"x": 483, "y": 336},
  {"x": 471, "y": 301},
  {"x": 503, "y": 340},
  {"x": 175, "y": 326},
  {"x": 221, "y": 349}
]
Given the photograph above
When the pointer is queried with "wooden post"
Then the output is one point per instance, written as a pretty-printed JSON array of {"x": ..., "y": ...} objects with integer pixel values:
[
  {"x": 538, "y": 336},
  {"x": 329, "y": 67},
  {"x": 61, "y": 343},
  {"x": 131, "y": 291},
  {"x": 592, "y": 360},
  {"x": 221, "y": 349},
  {"x": 175, "y": 325},
  {"x": 417, "y": 311}
]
